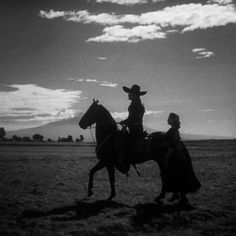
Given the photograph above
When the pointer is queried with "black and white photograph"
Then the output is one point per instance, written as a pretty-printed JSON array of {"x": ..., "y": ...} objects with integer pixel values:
[{"x": 117, "y": 117}]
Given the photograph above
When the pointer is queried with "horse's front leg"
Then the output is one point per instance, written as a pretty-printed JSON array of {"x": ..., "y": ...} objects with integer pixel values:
[
  {"x": 111, "y": 172},
  {"x": 96, "y": 168}
]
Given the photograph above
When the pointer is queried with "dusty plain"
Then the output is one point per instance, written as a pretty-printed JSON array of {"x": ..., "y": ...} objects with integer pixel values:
[{"x": 42, "y": 190}]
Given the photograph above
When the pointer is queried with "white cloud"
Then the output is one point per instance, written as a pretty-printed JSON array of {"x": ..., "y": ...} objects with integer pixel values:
[
  {"x": 198, "y": 49},
  {"x": 152, "y": 25},
  {"x": 120, "y": 115},
  {"x": 222, "y": 2},
  {"x": 206, "y": 54},
  {"x": 202, "y": 53},
  {"x": 124, "y": 2},
  {"x": 128, "y": 2},
  {"x": 135, "y": 34},
  {"x": 51, "y": 14},
  {"x": 38, "y": 103},
  {"x": 124, "y": 115},
  {"x": 92, "y": 80},
  {"x": 101, "y": 83},
  {"x": 155, "y": 113},
  {"x": 189, "y": 16},
  {"x": 108, "y": 84},
  {"x": 101, "y": 58}
]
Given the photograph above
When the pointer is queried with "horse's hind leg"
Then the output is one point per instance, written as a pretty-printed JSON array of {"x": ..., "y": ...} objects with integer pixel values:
[
  {"x": 161, "y": 197},
  {"x": 96, "y": 168},
  {"x": 111, "y": 172}
]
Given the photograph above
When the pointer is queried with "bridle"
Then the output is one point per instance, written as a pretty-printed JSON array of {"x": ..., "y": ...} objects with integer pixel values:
[{"x": 90, "y": 128}]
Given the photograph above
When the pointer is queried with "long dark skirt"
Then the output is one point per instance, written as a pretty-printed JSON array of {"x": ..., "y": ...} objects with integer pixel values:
[{"x": 179, "y": 173}]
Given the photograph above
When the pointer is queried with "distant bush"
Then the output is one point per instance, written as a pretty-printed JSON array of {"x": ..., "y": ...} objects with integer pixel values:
[
  {"x": 2, "y": 133},
  {"x": 80, "y": 139},
  {"x": 26, "y": 139},
  {"x": 68, "y": 139},
  {"x": 38, "y": 138}
]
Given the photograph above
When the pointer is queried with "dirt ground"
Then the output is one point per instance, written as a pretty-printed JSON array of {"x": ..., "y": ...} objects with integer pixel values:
[{"x": 42, "y": 191}]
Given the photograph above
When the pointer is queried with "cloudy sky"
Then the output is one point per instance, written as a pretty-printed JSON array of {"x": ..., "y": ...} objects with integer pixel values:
[{"x": 56, "y": 55}]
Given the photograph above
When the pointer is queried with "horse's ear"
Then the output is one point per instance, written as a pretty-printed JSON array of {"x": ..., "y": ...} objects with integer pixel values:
[{"x": 95, "y": 101}]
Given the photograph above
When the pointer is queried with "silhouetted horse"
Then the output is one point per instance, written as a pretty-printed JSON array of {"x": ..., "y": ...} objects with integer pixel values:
[{"x": 110, "y": 142}]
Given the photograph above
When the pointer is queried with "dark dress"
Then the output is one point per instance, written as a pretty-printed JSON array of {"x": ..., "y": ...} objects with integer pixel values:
[{"x": 179, "y": 173}]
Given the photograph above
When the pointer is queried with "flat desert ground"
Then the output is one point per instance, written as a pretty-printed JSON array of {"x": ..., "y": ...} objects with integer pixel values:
[{"x": 42, "y": 190}]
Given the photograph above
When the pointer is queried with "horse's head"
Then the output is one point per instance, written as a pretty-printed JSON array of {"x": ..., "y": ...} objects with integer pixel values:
[{"x": 90, "y": 115}]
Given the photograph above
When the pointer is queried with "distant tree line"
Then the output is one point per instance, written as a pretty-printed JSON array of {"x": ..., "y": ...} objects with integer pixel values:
[{"x": 37, "y": 138}]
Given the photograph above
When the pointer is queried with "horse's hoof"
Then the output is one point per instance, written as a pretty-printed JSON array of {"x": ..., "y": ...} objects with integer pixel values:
[
  {"x": 111, "y": 197},
  {"x": 174, "y": 198},
  {"x": 90, "y": 193},
  {"x": 159, "y": 200}
]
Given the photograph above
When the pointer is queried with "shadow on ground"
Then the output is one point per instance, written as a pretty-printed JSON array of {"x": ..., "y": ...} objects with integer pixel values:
[
  {"x": 146, "y": 212},
  {"x": 83, "y": 209},
  {"x": 78, "y": 211}
]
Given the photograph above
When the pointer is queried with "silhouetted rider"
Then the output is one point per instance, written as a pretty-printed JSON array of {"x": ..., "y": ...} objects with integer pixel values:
[
  {"x": 136, "y": 111},
  {"x": 134, "y": 122}
]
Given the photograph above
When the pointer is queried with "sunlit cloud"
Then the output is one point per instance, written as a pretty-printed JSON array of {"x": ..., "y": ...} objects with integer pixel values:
[
  {"x": 124, "y": 115},
  {"x": 152, "y": 25},
  {"x": 205, "y": 54},
  {"x": 198, "y": 50},
  {"x": 119, "y": 115},
  {"x": 101, "y": 58},
  {"x": 129, "y": 2},
  {"x": 37, "y": 103},
  {"x": 80, "y": 80},
  {"x": 92, "y": 80},
  {"x": 202, "y": 53},
  {"x": 155, "y": 113},
  {"x": 118, "y": 33},
  {"x": 108, "y": 84},
  {"x": 101, "y": 83},
  {"x": 51, "y": 14}
]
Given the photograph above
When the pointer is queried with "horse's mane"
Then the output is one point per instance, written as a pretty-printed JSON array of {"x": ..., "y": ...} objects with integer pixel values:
[{"x": 108, "y": 116}]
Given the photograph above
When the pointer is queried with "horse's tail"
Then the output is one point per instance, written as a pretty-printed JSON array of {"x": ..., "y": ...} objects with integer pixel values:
[{"x": 158, "y": 137}]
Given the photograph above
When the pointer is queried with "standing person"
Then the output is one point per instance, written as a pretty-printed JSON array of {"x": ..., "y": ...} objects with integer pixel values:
[
  {"x": 134, "y": 122},
  {"x": 179, "y": 174}
]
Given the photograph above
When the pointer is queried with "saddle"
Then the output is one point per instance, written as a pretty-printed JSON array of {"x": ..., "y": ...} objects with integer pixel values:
[{"x": 128, "y": 150}]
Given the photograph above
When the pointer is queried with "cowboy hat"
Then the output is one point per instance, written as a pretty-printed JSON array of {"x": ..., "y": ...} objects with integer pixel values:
[{"x": 135, "y": 89}]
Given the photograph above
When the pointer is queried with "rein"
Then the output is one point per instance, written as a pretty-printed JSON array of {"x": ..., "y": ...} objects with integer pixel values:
[
  {"x": 103, "y": 142},
  {"x": 90, "y": 128}
]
